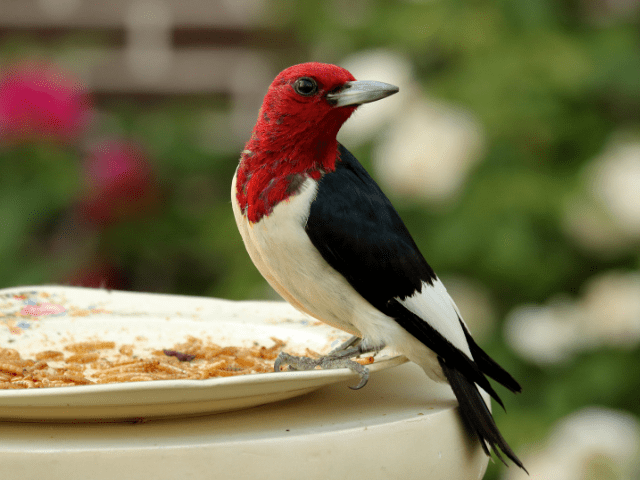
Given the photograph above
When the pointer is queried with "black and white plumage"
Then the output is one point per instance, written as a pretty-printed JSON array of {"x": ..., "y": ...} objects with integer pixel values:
[{"x": 335, "y": 248}]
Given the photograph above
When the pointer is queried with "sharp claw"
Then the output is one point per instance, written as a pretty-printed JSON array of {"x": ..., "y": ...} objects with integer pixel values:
[{"x": 364, "y": 376}]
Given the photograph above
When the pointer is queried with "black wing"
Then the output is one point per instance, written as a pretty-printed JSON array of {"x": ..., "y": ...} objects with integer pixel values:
[{"x": 360, "y": 234}]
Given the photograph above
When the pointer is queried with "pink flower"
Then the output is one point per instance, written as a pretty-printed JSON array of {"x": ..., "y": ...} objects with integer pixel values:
[
  {"x": 39, "y": 101},
  {"x": 120, "y": 184}
]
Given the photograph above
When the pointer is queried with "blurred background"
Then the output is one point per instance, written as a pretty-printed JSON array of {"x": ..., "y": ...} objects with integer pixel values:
[{"x": 512, "y": 152}]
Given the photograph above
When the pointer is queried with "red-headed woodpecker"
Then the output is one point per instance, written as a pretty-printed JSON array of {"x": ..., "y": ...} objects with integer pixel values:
[{"x": 326, "y": 238}]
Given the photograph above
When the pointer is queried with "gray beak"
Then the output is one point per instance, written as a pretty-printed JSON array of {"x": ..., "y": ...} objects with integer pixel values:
[{"x": 363, "y": 91}]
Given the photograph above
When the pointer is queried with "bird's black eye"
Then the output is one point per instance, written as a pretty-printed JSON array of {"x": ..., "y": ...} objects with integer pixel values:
[{"x": 305, "y": 86}]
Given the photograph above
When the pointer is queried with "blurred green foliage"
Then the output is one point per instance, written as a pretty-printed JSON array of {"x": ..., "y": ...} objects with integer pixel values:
[{"x": 549, "y": 80}]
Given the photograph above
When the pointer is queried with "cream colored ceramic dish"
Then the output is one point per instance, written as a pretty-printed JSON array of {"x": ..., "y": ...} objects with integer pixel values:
[{"x": 33, "y": 319}]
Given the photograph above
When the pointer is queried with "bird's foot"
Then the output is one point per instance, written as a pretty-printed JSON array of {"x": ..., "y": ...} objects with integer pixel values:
[{"x": 327, "y": 362}]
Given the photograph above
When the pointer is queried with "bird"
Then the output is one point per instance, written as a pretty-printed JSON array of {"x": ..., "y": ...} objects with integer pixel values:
[{"x": 328, "y": 240}]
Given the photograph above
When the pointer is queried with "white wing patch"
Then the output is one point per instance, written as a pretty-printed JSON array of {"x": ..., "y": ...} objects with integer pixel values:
[{"x": 434, "y": 305}]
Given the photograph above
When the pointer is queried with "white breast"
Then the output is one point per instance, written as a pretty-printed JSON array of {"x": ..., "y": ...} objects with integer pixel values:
[{"x": 283, "y": 253}]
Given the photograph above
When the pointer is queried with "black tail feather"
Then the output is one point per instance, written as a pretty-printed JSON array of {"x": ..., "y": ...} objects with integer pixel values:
[
  {"x": 489, "y": 366},
  {"x": 434, "y": 340},
  {"x": 476, "y": 414}
]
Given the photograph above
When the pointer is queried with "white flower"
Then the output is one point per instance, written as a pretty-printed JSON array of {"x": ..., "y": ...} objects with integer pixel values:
[
  {"x": 611, "y": 309},
  {"x": 605, "y": 215},
  {"x": 616, "y": 182},
  {"x": 592, "y": 228},
  {"x": 543, "y": 334},
  {"x": 428, "y": 151},
  {"x": 608, "y": 313},
  {"x": 592, "y": 443}
]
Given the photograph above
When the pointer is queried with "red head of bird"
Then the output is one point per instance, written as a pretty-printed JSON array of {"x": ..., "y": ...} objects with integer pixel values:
[{"x": 296, "y": 131}]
